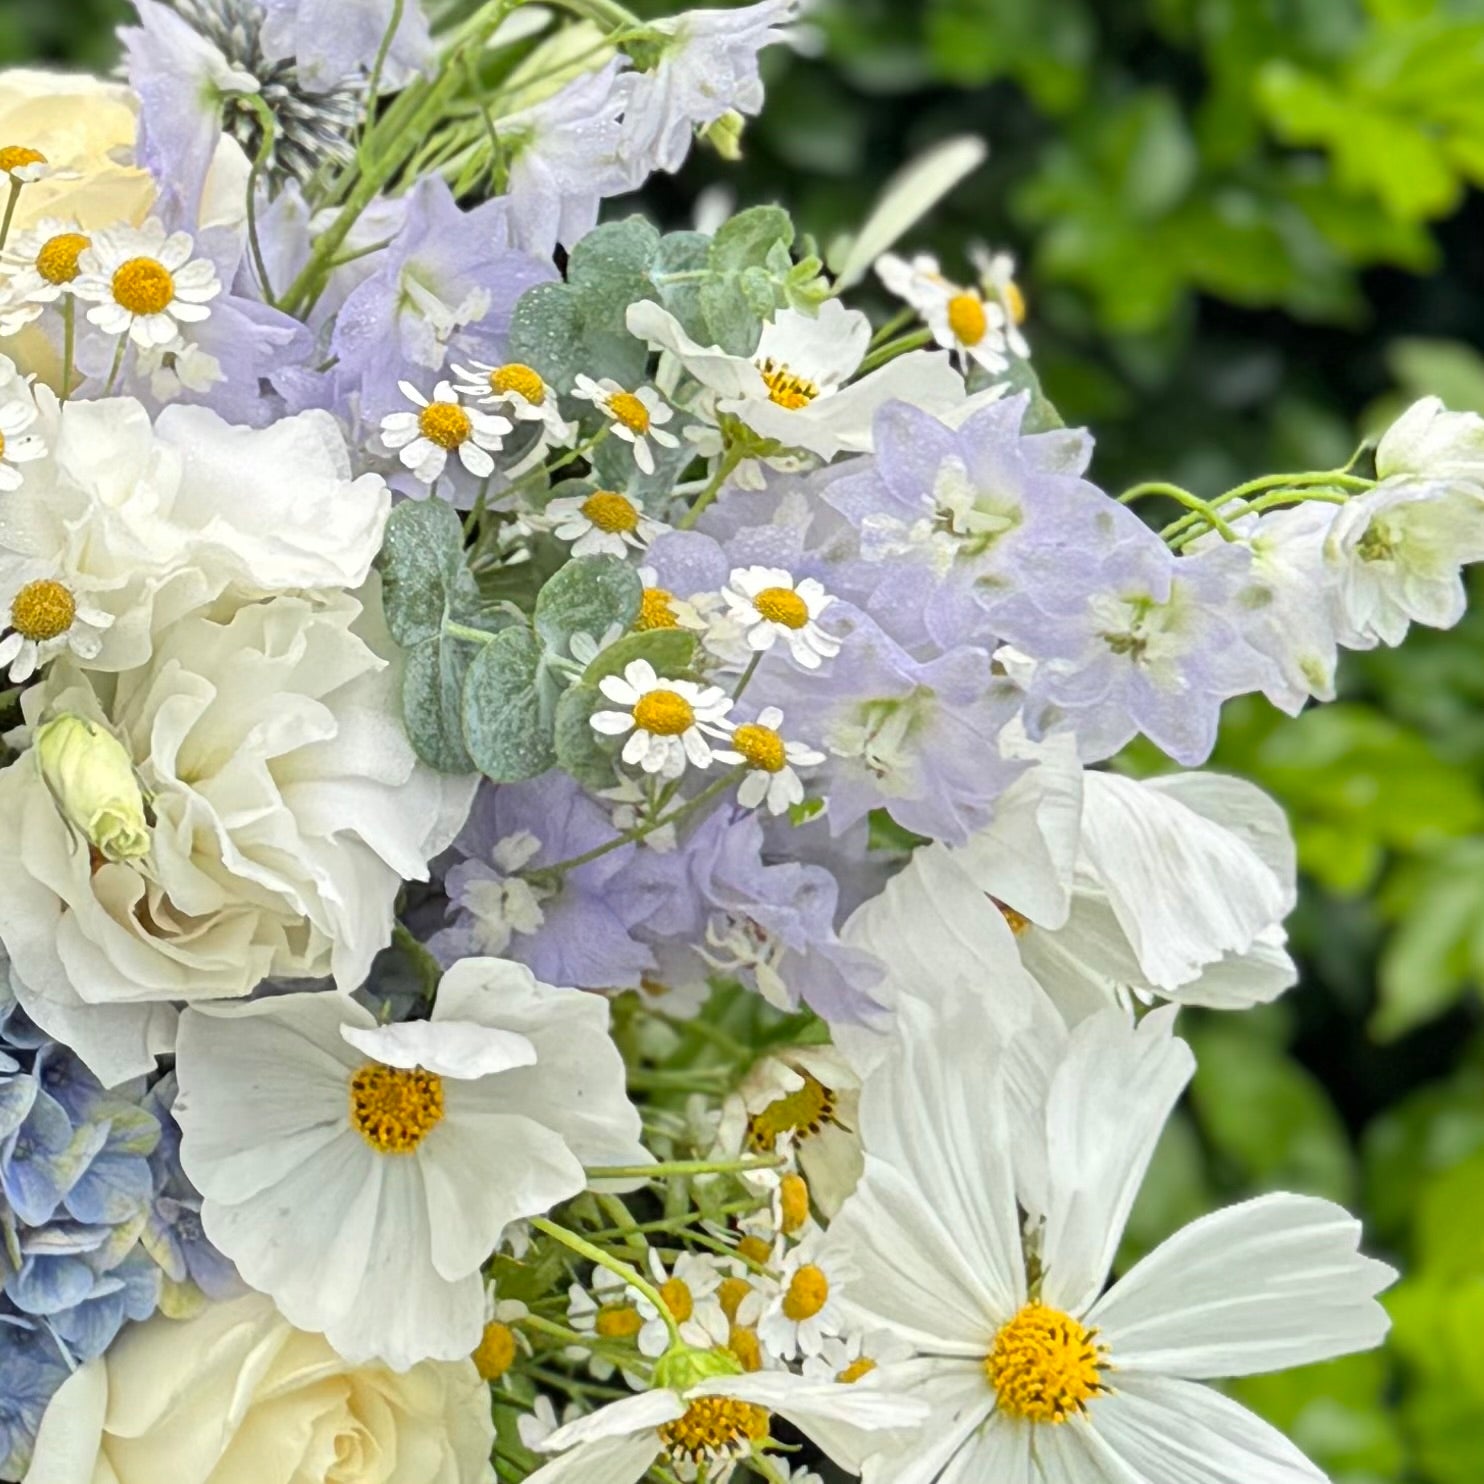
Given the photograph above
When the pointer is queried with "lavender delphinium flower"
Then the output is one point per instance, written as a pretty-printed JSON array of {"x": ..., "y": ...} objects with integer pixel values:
[{"x": 330, "y": 40}]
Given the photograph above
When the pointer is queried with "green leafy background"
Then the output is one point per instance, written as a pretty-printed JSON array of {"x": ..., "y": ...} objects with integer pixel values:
[{"x": 1247, "y": 227}]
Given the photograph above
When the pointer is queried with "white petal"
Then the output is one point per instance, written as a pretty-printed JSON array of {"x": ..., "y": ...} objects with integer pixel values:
[
  {"x": 450, "y": 1048},
  {"x": 613, "y": 1460},
  {"x": 634, "y": 1414}
]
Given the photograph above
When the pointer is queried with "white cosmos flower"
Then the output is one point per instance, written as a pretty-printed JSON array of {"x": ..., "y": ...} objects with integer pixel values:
[
  {"x": 667, "y": 721},
  {"x": 424, "y": 439},
  {"x": 18, "y": 414},
  {"x": 144, "y": 282},
  {"x": 604, "y": 523},
  {"x": 805, "y": 1310},
  {"x": 770, "y": 761},
  {"x": 1031, "y": 1370},
  {"x": 37, "y": 268},
  {"x": 636, "y": 417},
  {"x": 796, "y": 387},
  {"x": 768, "y": 604},
  {"x": 361, "y": 1174},
  {"x": 44, "y": 617},
  {"x": 960, "y": 318}
]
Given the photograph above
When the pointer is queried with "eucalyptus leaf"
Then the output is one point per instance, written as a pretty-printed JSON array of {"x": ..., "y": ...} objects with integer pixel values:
[
  {"x": 588, "y": 596},
  {"x": 581, "y": 751},
  {"x": 432, "y": 702},
  {"x": 507, "y": 712},
  {"x": 670, "y": 651}
]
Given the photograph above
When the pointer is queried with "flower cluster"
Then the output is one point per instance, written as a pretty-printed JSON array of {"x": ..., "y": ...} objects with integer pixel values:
[{"x": 561, "y": 912}]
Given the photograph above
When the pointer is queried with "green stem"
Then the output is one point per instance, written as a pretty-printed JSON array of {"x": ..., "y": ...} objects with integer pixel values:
[
  {"x": 681, "y": 1167},
  {"x": 631, "y": 1276},
  {"x": 747, "y": 675},
  {"x": 894, "y": 348},
  {"x": 259, "y": 165},
  {"x": 463, "y": 631},
  {"x": 16, "y": 187},
  {"x": 429, "y": 970},
  {"x": 1337, "y": 479},
  {"x": 1203, "y": 508},
  {"x": 69, "y": 345},
  {"x": 733, "y": 457},
  {"x": 894, "y": 326},
  {"x": 118, "y": 364}
]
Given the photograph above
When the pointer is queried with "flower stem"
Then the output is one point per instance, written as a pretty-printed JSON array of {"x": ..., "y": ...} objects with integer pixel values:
[
  {"x": 681, "y": 1167},
  {"x": 16, "y": 187},
  {"x": 894, "y": 348},
  {"x": 747, "y": 675},
  {"x": 69, "y": 344},
  {"x": 631, "y": 1276},
  {"x": 728, "y": 466}
]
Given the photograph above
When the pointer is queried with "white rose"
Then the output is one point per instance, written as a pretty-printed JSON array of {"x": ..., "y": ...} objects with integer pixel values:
[
  {"x": 238, "y": 1394},
  {"x": 287, "y": 808}
]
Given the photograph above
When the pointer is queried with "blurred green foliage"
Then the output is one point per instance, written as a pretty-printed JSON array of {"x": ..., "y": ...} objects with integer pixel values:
[{"x": 1248, "y": 227}]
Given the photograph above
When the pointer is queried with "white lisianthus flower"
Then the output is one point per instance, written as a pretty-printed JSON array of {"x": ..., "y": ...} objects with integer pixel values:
[
  {"x": 286, "y": 806},
  {"x": 18, "y": 444},
  {"x": 1031, "y": 1370},
  {"x": 151, "y": 522},
  {"x": 796, "y": 387},
  {"x": 236, "y": 1392},
  {"x": 361, "y": 1174}
]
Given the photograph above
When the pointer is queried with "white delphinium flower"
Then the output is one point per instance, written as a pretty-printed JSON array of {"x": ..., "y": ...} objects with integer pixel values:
[
  {"x": 689, "y": 1289},
  {"x": 638, "y": 417},
  {"x": 997, "y": 279},
  {"x": 37, "y": 269},
  {"x": 42, "y": 617},
  {"x": 768, "y": 605},
  {"x": 796, "y": 387},
  {"x": 604, "y": 523},
  {"x": 423, "y": 440},
  {"x": 770, "y": 761},
  {"x": 667, "y": 721},
  {"x": 398, "y": 1154},
  {"x": 520, "y": 392},
  {"x": 145, "y": 283},
  {"x": 960, "y": 318},
  {"x": 18, "y": 414},
  {"x": 1031, "y": 1369},
  {"x": 806, "y": 1309},
  {"x": 500, "y": 902}
]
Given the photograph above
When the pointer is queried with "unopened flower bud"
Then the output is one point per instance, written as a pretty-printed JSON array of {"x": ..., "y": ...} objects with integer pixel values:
[
  {"x": 92, "y": 779},
  {"x": 725, "y": 135}
]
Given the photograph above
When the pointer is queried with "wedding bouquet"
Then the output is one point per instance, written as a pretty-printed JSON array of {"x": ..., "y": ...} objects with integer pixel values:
[{"x": 562, "y": 914}]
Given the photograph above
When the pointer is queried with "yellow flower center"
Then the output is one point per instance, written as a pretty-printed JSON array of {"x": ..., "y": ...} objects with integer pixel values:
[
  {"x": 730, "y": 1295},
  {"x": 521, "y": 380},
  {"x": 786, "y": 389},
  {"x": 42, "y": 610},
  {"x": 1019, "y": 923},
  {"x": 755, "y": 1250},
  {"x": 446, "y": 424},
  {"x": 863, "y": 1366},
  {"x": 967, "y": 319},
  {"x": 793, "y": 1201},
  {"x": 743, "y": 1343},
  {"x": 1015, "y": 305},
  {"x": 663, "y": 713},
  {"x": 57, "y": 260},
  {"x": 496, "y": 1352},
  {"x": 393, "y": 1108},
  {"x": 761, "y": 746},
  {"x": 714, "y": 1427},
  {"x": 17, "y": 156},
  {"x": 143, "y": 286},
  {"x": 802, "y": 1112},
  {"x": 2, "y": 445},
  {"x": 655, "y": 610},
  {"x": 1045, "y": 1366},
  {"x": 611, "y": 512},
  {"x": 782, "y": 605},
  {"x": 627, "y": 409},
  {"x": 677, "y": 1296},
  {"x": 808, "y": 1292},
  {"x": 618, "y": 1322}
]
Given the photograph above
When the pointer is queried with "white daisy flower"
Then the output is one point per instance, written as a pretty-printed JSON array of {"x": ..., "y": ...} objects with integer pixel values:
[
  {"x": 997, "y": 278},
  {"x": 502, "y": 1343},
  {"x": 37, "y": 267},
  {"x": 604, "y": 523},
  {"x": 361, "y": 1174},
  {"x": 25, "y": 166},
  {"x": 636, "y": 417},
  {"x": 45, "y": 618},
  {"x": 1034, "y": 1368},
  {"x": 769, "y": 605},
  {"x": 518, "y": 390},
  {"x": 960, "y": 318},
  {"x": 424, "y": 439},
  {"x": 770, "y": 763},
  {"x": 610, "y": 1314},
  {"x": 668, "y": 720},
  {"x": 806, "y": 1309},
  {"x": 689, "y": 1289},
  {"x": 851, "y": 1357},
  {"x": 659, "y": 608},
  {"x": 144, "y": 283},
  {"x": 18, "y": 445},
  {"x": 534, "y": 1427}
]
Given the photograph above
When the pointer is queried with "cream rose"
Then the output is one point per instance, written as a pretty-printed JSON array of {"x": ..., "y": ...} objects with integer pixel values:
[{"x": 238, "y": 1396}]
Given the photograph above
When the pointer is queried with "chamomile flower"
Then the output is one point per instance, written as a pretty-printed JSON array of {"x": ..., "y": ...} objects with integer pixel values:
[
  {"x": 604, "y": 523},
  {"x": 520, "y": 392},
  {"x": 45, "y": 618},
  {"x": 960, "y": 318},
  {"x": 424, "y": 439},
  {"x": 667, "y": 721},
  {"x": 806, "y": 1310},
  {"x": 997, "y": 278},
  {"x": 144, "y": 283},
  {"x": 689, "y": 1289},
  {"x": 18, "y": 445},
  {"x": 37, "y": 268},
  {"x": 770, "y": 763},
  {"x": 25, "y": 166},
  {"x": 609, "y": 1313},
  {"x": 769, "y": 605},
  {"x": 659, "y": 608},
  {"x": 502, "y": 1343},
  {"x": 852, "y": 1356},
  {"x": 636, "y": 417}
]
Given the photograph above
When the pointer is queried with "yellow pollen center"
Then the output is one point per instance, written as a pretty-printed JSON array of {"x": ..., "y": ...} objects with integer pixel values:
[
  {"x": 17, "y": 156},
  {"x": 793, "y": 1201},
  {"x": 663, "y": 713},
  {"x": 2, "y": 445},
  {"x": 57, "y": 260},
  {"x": 1019, "y": 923},
  {"x": 782, "y": 605},
  {"x": 714, "y": 1427},
  {"x": 521, "y": 380},
  {"x": 655, "y": 611},
  {"x": 730, "y": 1295},
  {"x": 808, "y": 1292},
  {"x": 1045, "y": 1365},
  {"x": 143, "y": 286},
  {"x": 761, "y": 746},
  {"x": 967, "y": 319},
  {"x": 496, "y": 1352},
  {"x": 677, "y": 1296},
  {"x": 618, "y": 1322},
  {"x": 445, "y": 424},
  {"x": 42, "y": 610},
  {"x": 855, "y": 1370},
  {"x": 627, "y": 409},
  {"x": 743, "y": 1343},
  {"x": 786, "y": 389},
  {"x": 611, "y": 512},
  {"x": 1015, "y": 305},
  {"x": 395, "y": 1108},
  {"x": 803, "y": 1112},
  {"x": 754, "y": 1249}
]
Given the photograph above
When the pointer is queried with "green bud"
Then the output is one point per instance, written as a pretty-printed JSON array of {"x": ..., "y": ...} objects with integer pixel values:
[
  {"x": 683, "y": 1366},
  {"x": 92, "y": 779},
  {"x": 725, "y": 135}
]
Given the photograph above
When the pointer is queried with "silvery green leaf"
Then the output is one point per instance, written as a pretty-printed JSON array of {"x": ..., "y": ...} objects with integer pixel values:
[
  {"x": 509, "y": 707},
  {"x": 670, "y": 651},
  {"x": 433, "y": 702},
  {"x": 588, "y": 596},
  {"x": 581, "y": 751}
]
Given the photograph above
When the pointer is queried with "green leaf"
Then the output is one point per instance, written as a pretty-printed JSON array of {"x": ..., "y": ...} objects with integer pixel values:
[
  {"x": 547, "y": 332},
  {"x": 581, "y": 751},
  {"x": 747, "y": 238},
  {"x": 432, "y": 702},
  {"x": 670, "y": 651},
  {"x": 610, "y": 269},
  {"x": 423, "y": 573},
  {"x": 508, "y": 710},
  {"x": 587, "y": 596}
]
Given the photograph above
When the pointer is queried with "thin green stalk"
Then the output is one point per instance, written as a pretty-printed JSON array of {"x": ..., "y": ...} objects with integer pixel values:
[
  {"x": 16, "y": 187},
  {"x": 259, "y": 165},
  {"x": 69, "y": 344},
  {"x": 636, "y": 1280},
  {"x": 463, "y": 631},
  {"x": 663, "y": 1171},
  {"x": 118, "y": 364},
  {"x": 894, "y": 348},
  {"x": 731, "y": 459},
  {"x": 747, "y": 675},
  {"x": 894, "y": 326}
]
